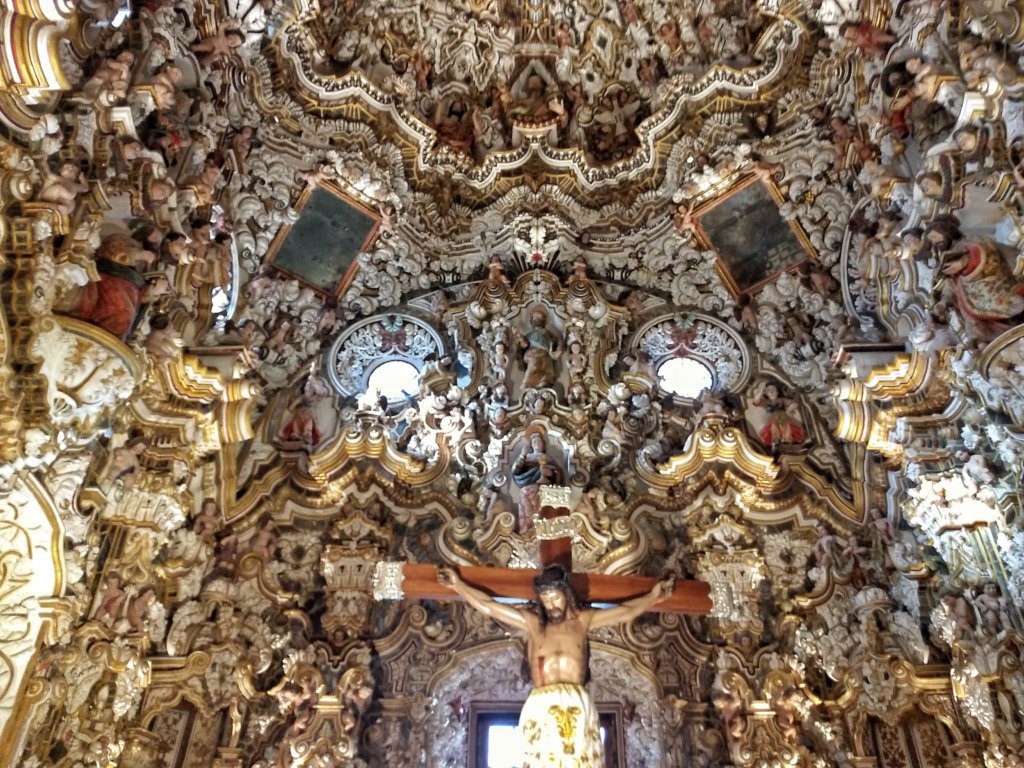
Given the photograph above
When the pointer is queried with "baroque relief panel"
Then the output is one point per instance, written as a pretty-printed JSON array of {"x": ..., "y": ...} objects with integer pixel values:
[{"x": 33, "y": 577}]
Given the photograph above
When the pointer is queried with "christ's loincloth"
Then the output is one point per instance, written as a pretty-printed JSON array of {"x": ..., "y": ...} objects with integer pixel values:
[{"x": 558, "y": 727}]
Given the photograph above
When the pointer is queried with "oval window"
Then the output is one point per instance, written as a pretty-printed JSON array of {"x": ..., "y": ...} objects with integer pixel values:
[
  {"x": 393, "y": 379},
  {"x": 684, "y": 377}
]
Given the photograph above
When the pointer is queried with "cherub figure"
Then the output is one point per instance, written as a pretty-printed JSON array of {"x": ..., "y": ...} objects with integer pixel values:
[
  {"x": 496, "y": 272},
  {"x": 207, "y": 522},
  {"x": 855, "y": 553},
  {"x": 138, "y": 610},
  {"x": 591, "y": 504},
  {"x": 729, "y": 704},
  {"x": 164, "y": 341},
  {"x": 708, "y": 403},
  {"x": 265, "y": 540},
  {"x": 112, "y": 599},
  {"x": 61, "y": 189},
  {"x": 219, "y": 47},
  {"x": 499, "y": 362},
  {"x": 828, "y": 548},
  {"x": 492, "y": 503},
  {"x": 992, "y": 609},
  {"x": 821, "y": 282},
  {"x": 935, "y": 86},
  {"x": 111, "y": 79},
  {"x": 576, "y": 360},
  {"x": 300, "y": 700},
  {"x": 387, "y": 219},
  {"x": 328, "y": 321},
  {"x": 499, "y": 421},
  {"x": 684, "y": 220},
  {"x": 959, "y": 612},
  {"x": 204, "y": 184},
  {"x": 788, "y": 715},
  {"x": 975, "y": 471},
  {"x": 123, "y": 462},
  {"x": 579, "y": 272},
  {"x": 746, "y": 313},
  {"x": 870, "y": 40},
  {"x": 882, "y": 534},
  {"x": 356, "y": 689},
  {"x": 164, "y": 85}
]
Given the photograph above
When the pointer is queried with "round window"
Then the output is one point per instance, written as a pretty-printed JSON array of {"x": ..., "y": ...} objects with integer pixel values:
[
  {"x": 684, "y": 377},
  {"x": 394, "y": 379}
]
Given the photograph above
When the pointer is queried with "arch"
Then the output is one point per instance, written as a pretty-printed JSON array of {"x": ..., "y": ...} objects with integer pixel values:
[
  {"x": 31, "y": 550},
  {"x": 699, "y": 337},
  {"x": 365, "y": 345},
  {"x": 493, "y": 672}
]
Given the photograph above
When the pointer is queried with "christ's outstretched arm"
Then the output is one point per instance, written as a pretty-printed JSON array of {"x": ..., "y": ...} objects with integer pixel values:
[
  {"x": 630, "y": 609},
  {"x": 505, "y": 614}
]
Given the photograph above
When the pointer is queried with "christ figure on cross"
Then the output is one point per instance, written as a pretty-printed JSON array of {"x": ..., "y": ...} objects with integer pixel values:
[{"x": 558, "y": 725}]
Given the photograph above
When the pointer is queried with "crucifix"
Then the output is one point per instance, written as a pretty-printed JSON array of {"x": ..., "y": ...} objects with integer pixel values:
[{"x": 558, "y": 725}]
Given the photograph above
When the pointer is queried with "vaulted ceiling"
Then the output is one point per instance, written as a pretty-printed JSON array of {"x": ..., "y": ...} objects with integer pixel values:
[{"x": 289, "y": 289}]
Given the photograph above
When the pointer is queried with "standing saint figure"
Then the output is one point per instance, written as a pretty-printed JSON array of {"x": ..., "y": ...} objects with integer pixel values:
[
  {"x": 532, "y": 469},
  {"x": 558, "y": 725},
  {"x": 989, "y": 297},
  {"x": 783, "y": 427},
  {"x": 301, "y": 427},
  {"x": 539, "y": 347}
]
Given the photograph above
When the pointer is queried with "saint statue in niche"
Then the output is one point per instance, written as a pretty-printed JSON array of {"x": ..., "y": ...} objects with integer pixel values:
[
  {"x": 775, "y": 415},
  {"x": 539, "y": 348},
  {"x": 301, "y": 428},
  {"x": 533, "y": 468}
]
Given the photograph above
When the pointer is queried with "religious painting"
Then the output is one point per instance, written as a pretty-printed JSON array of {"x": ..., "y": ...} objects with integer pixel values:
[
  {"x": 320, "y": 249},
  {"x": 752, "y": 240}
]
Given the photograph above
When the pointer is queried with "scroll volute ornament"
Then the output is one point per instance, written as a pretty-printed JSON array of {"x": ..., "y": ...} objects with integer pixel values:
[{"x": 348, "y": 571}]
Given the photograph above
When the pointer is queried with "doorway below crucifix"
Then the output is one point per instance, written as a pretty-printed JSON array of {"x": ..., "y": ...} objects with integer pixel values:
[
  {"x": 493, "y": 738},
  {"x": 493, "y": 672}
]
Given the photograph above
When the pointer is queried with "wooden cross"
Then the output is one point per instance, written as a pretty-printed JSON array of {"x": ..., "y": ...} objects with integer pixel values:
[{"x": 414, "y": 581}]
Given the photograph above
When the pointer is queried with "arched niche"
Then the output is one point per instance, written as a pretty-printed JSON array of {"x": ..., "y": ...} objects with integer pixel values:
[{"x": 493, "y": 672}]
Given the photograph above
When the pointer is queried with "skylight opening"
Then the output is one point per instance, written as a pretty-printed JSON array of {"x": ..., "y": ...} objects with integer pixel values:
[
  {"x": 394, "y": 379},
  {"x": 685, "y": 377}
]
